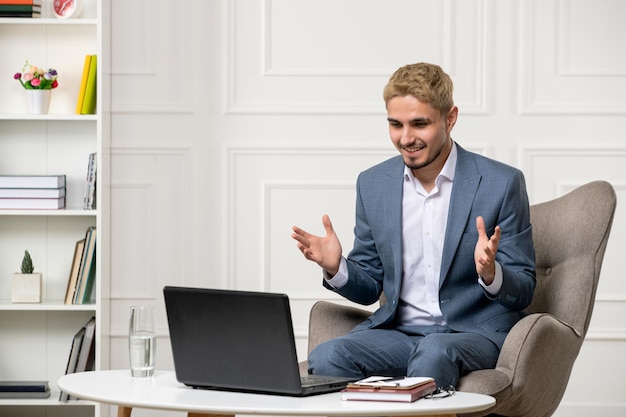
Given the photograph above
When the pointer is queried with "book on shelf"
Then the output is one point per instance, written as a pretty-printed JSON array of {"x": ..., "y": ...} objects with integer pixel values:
[
  {"x": 17, "y": 14},
  {"x": 83, "y": 84},
  {"x": 24, "y": 386},
  {"x": 89, "y": 199},
  {"x": 86, "y": 293},
  {"x": 32, "y": 192},
  {"x": 32, "y": 203},
  {"x": 86, "y": 354},
  {"x": 73, "y": 278},
  {"x": 389, "y": 389},
  {"x": 24, "y": 395},
  {"x": 20, "y": 8},
  {"x": 89, "y": 101},
  {"x": 86, "y": 272},
  {"x": 82, "y": 353},
  {"x": 22, "y": 2},
  {"x": 24, "y": 389},
  {"x": 72, "y": 360},
  {"x": 32, "y": 181}
]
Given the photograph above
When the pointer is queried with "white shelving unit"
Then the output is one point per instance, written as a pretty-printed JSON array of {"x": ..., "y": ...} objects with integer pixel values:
[{"x": 35, "y": 339}]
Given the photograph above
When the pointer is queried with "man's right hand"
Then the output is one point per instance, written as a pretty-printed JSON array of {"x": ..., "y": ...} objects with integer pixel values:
[{"x": 323, "y": 250}]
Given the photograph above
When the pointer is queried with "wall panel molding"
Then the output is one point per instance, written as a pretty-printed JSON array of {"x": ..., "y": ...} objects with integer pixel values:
[
  {"x": 147, "y": 186},
  {"x": 144, "y": 79},
  {"x": 262, "y": 83},
  {"x": 562, "y": 159},
  {"x": 556, "y": 41}
]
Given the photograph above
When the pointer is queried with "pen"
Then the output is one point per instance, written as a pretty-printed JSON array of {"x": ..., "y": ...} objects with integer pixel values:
[{"x": 390, "y": 382}]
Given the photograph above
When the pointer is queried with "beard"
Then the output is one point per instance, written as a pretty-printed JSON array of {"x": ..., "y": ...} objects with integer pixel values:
[{"x": 413, "y": 164}]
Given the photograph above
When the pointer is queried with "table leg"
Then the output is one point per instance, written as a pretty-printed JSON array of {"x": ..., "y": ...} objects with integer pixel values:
[
  {"x": 191, "y": 414},
  {"x": 124, "y": 411},
  {"x": 442, "y": 415}
]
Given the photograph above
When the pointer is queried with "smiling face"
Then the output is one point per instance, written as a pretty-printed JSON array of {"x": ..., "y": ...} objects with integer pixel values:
[{"x": 421, "y": 134}]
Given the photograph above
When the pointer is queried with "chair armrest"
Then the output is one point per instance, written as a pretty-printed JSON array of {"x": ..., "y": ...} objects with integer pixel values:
[
  {"x": 329, "y": 320},
  {"x": 535, "y": 363}
]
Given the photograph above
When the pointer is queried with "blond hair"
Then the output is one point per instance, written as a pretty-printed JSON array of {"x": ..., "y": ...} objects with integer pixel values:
[{"x": 426, "y": 82}]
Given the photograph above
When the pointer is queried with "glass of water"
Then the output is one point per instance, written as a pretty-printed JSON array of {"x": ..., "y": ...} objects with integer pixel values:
[{"x": 142, "y": 341}]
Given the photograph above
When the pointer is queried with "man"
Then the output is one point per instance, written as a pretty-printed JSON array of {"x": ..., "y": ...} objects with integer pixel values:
[{"x": 443, "y": 232}]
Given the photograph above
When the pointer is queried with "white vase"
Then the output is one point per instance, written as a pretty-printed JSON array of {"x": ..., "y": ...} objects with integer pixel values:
[{"x": 38, "y": 101}]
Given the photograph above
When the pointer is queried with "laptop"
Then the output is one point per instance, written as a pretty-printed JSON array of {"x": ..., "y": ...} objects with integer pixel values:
[{"x": 238, "y": 341}]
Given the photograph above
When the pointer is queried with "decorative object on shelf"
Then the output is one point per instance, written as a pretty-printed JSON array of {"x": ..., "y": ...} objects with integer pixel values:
[
  {"x": 38, "y": 101},
  {"x": 26, "y": 286},
  {"x": 67, "y": 9},
  {"x": 38, "y": 84},
  {"x": 35, "y": 78}
]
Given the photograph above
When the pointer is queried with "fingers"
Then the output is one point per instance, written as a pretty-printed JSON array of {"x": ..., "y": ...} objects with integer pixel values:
[
  {"x": 324, "y": 250},
  {"x": 496, "y": 235},
  {"x": 304, "y": 239},
  {"x": 480, "y": 227},
  {"x": 300, "y": 235},
  {"x": 486, "y": 247},
  {"x": 482, "y": 232},
  {"x": 328, "y": 226}
]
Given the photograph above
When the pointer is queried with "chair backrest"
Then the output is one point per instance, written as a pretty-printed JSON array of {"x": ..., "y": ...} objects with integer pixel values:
[{"x": 570, "y": 235}]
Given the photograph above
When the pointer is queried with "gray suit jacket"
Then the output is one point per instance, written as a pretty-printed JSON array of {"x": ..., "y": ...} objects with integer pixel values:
[{"x": 481, "y": 187}]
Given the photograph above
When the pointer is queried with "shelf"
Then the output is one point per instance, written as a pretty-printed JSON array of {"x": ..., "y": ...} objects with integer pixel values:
[
  {"x": 59, "y": 212},
  {"x": 45, "y": 21},
  {"x": 53, "y": 400},
  {"x": 53, "y": 305},
  {"x": 50, "y": 117}
]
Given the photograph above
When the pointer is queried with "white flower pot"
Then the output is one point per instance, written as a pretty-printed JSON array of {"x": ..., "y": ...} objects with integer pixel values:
[
  {"x": 38, "y": 101},
  {"x": 26, "y": 288}
]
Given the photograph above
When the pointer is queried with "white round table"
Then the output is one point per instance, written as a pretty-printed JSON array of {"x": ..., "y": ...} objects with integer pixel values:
[{"x": 164, "y": 392}]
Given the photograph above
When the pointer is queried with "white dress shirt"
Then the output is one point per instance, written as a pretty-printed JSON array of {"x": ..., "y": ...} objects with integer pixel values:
[{"x": 424, "y": 220}]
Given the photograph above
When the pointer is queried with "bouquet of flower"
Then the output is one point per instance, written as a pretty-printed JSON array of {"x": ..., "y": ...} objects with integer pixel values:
[{"x": 35, "y": 78}]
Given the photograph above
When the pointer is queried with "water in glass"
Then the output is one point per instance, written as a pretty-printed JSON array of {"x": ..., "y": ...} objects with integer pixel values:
[{"x": 142, "y": 341}]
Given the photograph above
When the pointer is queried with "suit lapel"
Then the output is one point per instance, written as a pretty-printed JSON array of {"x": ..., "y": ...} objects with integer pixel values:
[
  {"x": 466, "y": 181},
  {"x": 392, "y": 190}
]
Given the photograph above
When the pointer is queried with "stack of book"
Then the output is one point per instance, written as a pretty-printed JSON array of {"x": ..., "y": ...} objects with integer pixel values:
[
  {"x": 32, "y": 192},
  {"x": 377, "y": 388},
  {"x": 83, "y": 270},
  {"x": 82, "y": 353},
  {"x": 24, "y": 389},
  {"x": 20, "y": 8}
]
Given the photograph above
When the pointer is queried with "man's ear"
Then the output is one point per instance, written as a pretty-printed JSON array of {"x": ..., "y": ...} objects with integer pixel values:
[{"x": 451, "y": 118}]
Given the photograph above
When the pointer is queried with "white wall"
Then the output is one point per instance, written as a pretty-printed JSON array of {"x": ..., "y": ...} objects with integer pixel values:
[{"x": 234, "y": 120}]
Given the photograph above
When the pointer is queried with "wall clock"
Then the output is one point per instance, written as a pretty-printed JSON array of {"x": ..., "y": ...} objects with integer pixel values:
[{"x": 65, "y": 9}]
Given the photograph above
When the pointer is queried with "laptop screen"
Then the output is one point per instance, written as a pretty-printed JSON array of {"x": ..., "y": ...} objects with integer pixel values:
[{"x": 233, "y": 340}]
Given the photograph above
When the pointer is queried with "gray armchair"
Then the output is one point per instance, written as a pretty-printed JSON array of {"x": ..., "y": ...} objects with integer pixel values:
[{"x": 570, "y": 234}]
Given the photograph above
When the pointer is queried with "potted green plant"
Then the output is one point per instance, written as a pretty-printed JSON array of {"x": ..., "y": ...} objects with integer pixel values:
[{"x": 26, "y": 286}]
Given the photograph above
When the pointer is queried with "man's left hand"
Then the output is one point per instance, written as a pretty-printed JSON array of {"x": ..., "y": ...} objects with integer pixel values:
[{"x": 485, "y": 251}]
